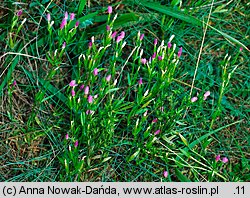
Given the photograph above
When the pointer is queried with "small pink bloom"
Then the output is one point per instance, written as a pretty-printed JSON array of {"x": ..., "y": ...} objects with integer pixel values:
[
  {"x": 118, "y": 39},
  {"x": 155, "y": 120},
  {"x": 142, "y": 36},
  {"x": 67, "y": 136},
  {"x": 217, "y": 158},
  {"x": 165, "y": 174},
  {"x": 76, "y": 143},
  {"x": 107, "y": 27},
  {"x": 64, "y": 22},
  {"x": 180, "y": 52},
  {"x": 66, "y": 15},
  {"x": 48, "y": 17},
  {"x": 154, "y": 55},
  {"x": 143, "y": 61},
  {"x": 19, "y": 13},
  {"x": 122, "y": 35},
  {"x": 113, "y": 35},
  {"x": 155, "y": 42},
  {"x": 90, "y": 44},
  {"x": 207, "y": 94},
  {"x": 77, "y": 23},
  {"x": 81, "y": 87},
  {"x": 14, "y": 83},
  {"x": 95, "y": 72},
  {"x": 72, "y": 16},
  {"x": 73, "y": 93},
  {"x": 63, "y": 45},
  {"x": 72, "y": 83},
  {"x": 89, "y": 112},
  {"x": 159, "y": 58},
  {"x": 109, "y": 9},
  {"x": 157, "y": 132},
  {"x": 241, "y": 49},
  {"x": 169, "y": 45},
  {"x": 194, "y": 99},
  {"x": 90, "y": 99},
  {"x": 140, "y": 81},
  {"x": 108, "y": 78},
  {"x": 224, "y": 160},
  {"x": 86, "y": 91}
]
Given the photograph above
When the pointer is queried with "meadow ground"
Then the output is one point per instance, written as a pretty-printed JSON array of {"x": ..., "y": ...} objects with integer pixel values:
[{"x": 95, "y": 96}]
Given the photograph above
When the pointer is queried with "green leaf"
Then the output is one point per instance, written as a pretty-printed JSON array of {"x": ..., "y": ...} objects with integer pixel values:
[
  {"x": 132, "y": 157},
  {"x": 181, "y": 177},
  {"x": 81, "y": 6}
]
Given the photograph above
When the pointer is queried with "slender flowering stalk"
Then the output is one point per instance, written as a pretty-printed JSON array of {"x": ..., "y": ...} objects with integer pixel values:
[
  {"x": 19, "y": 13},
  {"x": 194, "y": 99},
  {"x": 72, "y": 16},
  {"x": 224, "y": 160},
  {"x": 157, "y": 132},
  {"x": 143, "y": 61},
  {"x": 90, "y": 99},
  {"x": 72, "y": 83},
  {"x": 110, "y": 9},
  {"x": 165, "y": 174},
  {"x": 108, "y": 78},
  {"x": 86, "y": 91},
  {"x": 217, "y": 158},
  {"x": 179, "y": 52},
  {"x": 64, "y": 22},
  {"x": 95, "y": 72},
  {"x": 140, "y": 81}
]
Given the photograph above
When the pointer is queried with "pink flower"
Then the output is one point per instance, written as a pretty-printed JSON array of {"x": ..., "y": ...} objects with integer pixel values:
[
  {"x": 72, "y": 16},
  {"x": 76, "y": 143},
  {"x": 113, "y": 35},
  {"x": 64, "y": 22},
  {"x": 48, "y": 17},
  {"x": 72, "y": 83},
  {"x": 217, "y": 158},
  {"x": 14, "y": 83},
  {"x": 159, "y": 58},
  {"x": 155, "y": 120},
  {"x": 194, "y": 99},
  {"x": 90, "y": 99},
  {"x": 19, "y": 13},
  {"x": 95, "y": 72},
  {"x": 155, "y": 42},
  {"x": 107, "y": 27},
  {"x": 154, "y": 55},
  {"x": 169, "y": 45},
  {"x": 77, "y": 23},
  {"x": 143, "y": 61},
  {"x": 89, "y": 112},
  {"x": 86, "y": 91},
  {"x": 180, "y": 52},
  {"x": 90, "y": 44},
  {"x": 165, "y": 174},
  {"x": 206, "y": 95},
  {"x": 241, "y": 49},
  {"x": 67, "y": 136},
  {"x": 122, "y": 35},
  {"x": 81, "y": 87},
  {"x": 140, "y": 81},
  {"x": 224, "y": 160},
  {"x": 73, "y": 93},
  {"x": 157, "y": 132},
  {"x": 108, "y": 78},
  {"x": 63, "y": 45},
  {"x": 142, "y": 36},
  {"x": 109, "y": 9},
  {"x": 66, "y": 15}
]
